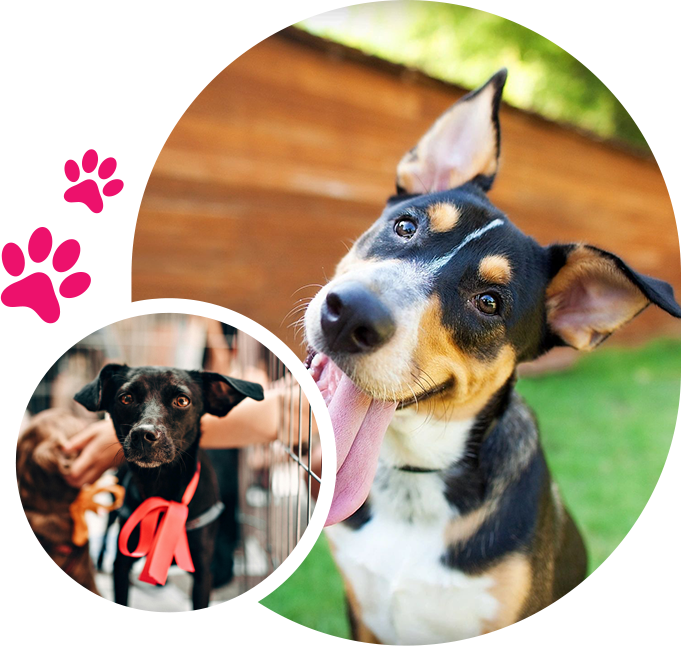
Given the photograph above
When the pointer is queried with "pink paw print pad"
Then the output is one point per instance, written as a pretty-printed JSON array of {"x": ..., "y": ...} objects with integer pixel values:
[{"x": 87, "y": 191}]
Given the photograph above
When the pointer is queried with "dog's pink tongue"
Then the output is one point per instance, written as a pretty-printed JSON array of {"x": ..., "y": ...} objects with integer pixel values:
[{"x": 359, "y": 424}]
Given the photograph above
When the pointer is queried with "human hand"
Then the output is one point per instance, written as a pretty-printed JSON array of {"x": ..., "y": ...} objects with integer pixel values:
[{"x": 98, "y": 449}]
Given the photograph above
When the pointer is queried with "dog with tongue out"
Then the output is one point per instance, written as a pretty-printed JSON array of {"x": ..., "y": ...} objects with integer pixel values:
[{"x": 445, "y": 522}]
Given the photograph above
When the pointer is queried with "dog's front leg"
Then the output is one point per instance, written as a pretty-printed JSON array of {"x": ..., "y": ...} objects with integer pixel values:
[
  {"x": 121, "y": 577},
  {"x": 358, "y": 630},
  {"x": 202, "y": 585},
  {"x": 202, "y": 546}
]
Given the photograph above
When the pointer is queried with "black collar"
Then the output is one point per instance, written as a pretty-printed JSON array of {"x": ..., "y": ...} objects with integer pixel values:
[{"x": 409, "y": 469}]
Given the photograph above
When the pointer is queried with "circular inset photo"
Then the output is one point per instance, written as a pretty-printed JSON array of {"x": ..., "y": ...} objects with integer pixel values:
[{"x": 169, "y": 462}]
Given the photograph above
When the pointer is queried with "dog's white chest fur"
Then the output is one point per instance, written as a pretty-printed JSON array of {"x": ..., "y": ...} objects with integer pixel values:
[{"x": 392, "y": 563}]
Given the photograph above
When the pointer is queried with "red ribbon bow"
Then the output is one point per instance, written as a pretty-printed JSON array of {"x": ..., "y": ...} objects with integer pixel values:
[{"x": 169, "y": 541}]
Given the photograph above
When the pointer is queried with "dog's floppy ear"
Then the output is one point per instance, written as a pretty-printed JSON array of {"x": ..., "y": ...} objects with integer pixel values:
[
  {"x": 463, "y": 144},
  {"x": 221, "y": 394},
  {"x": 593, "y": 292},
  {"x": 97, "y": 394}
]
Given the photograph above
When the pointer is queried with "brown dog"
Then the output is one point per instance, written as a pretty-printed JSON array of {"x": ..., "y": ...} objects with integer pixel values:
[{"x": 47, "y": 497}]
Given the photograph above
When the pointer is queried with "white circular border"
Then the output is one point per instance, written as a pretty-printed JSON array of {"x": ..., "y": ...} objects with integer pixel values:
[{"x": 241, "y": 611}]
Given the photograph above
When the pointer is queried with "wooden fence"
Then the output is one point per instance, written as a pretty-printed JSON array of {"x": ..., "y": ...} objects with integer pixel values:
[{"x": 290, "y": 152}]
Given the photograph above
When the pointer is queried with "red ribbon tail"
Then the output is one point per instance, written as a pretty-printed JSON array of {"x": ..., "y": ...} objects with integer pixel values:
[
  {"x": 161, "y": 542},
  {"x": 171, "y": 534},
  {"x": 183, "y": 556}
]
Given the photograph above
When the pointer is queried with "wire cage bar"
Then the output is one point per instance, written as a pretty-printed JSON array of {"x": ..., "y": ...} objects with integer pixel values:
[{"x": 276, "y": 480}]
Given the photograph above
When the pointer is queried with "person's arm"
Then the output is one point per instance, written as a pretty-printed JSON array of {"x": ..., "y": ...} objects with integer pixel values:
[{"x": 253, "y": 422}]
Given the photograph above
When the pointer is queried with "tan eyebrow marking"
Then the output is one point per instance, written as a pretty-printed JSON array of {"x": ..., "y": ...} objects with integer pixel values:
[
  {"x": 443, "y": 216},
  {"x": 495, "y": 269}
]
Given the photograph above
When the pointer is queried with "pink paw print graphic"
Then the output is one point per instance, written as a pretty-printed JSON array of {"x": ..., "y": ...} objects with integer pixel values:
[{"x": 87, "y": 191}]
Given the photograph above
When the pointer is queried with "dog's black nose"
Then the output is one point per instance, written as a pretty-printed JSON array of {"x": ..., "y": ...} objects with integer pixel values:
[
  {"x": 355, "y": 320},
  {"x": 144, "y": 435}
]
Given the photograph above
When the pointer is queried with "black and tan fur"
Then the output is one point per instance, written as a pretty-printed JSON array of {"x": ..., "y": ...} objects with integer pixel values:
[{"x": 426, "y": 338}]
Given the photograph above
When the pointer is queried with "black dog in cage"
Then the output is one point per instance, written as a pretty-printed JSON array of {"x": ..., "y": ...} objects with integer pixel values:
[{"x": 156, "y": 413}]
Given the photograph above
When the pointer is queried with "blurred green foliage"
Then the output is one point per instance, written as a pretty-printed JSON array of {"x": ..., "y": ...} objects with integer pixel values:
[
  {"x": 602, "y": 66},
  {"x": 466, "y": 46}
]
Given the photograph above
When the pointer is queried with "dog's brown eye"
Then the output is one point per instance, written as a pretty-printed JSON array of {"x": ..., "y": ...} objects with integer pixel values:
[
  {"x": 125, "y": 399},
  {"x": 487, "y": 303},
  {"x": 182, "y": 401},
  {"x": 405, "y": 227}
]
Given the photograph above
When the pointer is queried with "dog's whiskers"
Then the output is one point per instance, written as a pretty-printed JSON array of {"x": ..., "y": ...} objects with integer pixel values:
[
  {"x": 300, "y": 289},
  {"x": 301, "y": 304}
]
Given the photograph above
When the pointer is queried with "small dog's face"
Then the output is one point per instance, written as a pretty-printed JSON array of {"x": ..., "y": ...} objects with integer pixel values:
[
  {"x": 443, "y": 295},
  {"x": 156, "y": 411},
  {"x": 156, "y": 415}
]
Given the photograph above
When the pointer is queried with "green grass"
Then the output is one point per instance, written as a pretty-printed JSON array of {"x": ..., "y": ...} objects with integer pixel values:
[
  {"x": 313, "y": 595},
  {"x": 606, "y": 426}
]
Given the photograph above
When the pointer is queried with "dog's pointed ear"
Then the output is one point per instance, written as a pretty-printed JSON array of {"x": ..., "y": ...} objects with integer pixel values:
[
  {"x": 462, "y": 145},
  {"x": 97, "y": 394},
  {"x": 593, "y": 293},
  {"x": 221, "y": 394}
]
